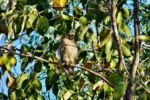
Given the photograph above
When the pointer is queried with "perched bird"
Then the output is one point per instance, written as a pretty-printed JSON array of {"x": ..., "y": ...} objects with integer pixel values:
[{"x": 68, "y": 53}]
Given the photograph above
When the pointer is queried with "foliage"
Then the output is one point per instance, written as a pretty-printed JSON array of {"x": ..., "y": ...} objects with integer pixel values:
[{"x": 38, "y": 25}]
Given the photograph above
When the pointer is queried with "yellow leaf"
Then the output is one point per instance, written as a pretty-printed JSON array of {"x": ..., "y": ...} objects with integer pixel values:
[
  {"x": 59, "y": 4},
  {"x": 98, "y": 84}
]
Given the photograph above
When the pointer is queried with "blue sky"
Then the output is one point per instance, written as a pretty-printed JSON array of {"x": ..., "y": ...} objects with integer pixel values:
[{"x": 17, "y": 67}]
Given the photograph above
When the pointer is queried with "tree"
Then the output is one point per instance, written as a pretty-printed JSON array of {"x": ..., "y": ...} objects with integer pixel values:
[{"x": 113, "y": 39}]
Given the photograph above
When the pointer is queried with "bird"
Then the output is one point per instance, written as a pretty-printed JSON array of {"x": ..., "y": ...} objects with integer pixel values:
[{"x": 68, "y": 53}]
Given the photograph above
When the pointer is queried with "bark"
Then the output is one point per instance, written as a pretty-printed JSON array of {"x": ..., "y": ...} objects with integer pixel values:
[
  {"x": 131, "y": 85},
  {"x": 116, "y": 33}
]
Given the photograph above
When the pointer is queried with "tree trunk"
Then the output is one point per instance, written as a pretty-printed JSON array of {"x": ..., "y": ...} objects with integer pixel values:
[{"x": 131, "y": 84}]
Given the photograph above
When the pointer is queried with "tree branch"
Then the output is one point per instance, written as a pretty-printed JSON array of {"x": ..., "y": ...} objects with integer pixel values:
[
  {"x": 131, "y": 85},
  {"x": 97, "y": 74},
  {"x": 116, "y": 34},
  {"x": 28, "y": 54}
]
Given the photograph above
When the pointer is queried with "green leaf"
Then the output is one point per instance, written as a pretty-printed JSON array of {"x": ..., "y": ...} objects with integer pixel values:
[
  {"x": 51, "y": 79},
  {"x": 83, "y": 21},
  {"x": 120, "y": 90},
  {"x": 119, "y": 18},
  {"x": 81, "y": 33},
  {"x": 108, "y": 50},
  {"x": 125, "y": 28},
  {"x": 65, "y": 16},
  {"x": 20, "y": 78},
  {"x": 24, "y": 64},
  {"x": 39, "y": 51},
  {"x": 25, "y": 84},
  {"x": 125, "y": 12},
  {"x": 126, "y": 51},
  {"x": 13, "y": 95},
  {"x": 77, "y": 11},
  {"x": 38, "y": 67},
  {"x": 32, "y": 97},
  {"x": 31, "y": 19},
  {"x": 67, "y": 95},
  {"x": 10, "y": 28},
  {"x": 37, "y": 84},
  {"x": 144, "y": 38},
  {"x": 23, "y": 24},
  {"x": 113, "y": 62},
  {"x": 42, "y": 24},
  {"x": 115, "y": 78},
  {"x": 25, "y": 48},
  {"x": 107, "y": 19},
  {"x": 105, "y": 36},
  {"x": 21, "y": 4}
]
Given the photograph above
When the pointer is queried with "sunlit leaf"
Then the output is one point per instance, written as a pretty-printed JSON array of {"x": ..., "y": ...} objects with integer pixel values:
[
  {"x": 105, "y": 36},
  {"x": 98, "y": 84},
  {"x": 144, "y": 38},
  {"x": 119, "y": 18},
  {"x": 67, "y": 95},
  {"x": 20, "y": 78},
  {"x": 37, "y": 84},
  {"x": 125, "y": 28},
  {"x": 10, "y": 28},
  {"x": 31, "y": 19},
  {"x": 83, "y": 21},
  {"x": 5, "y": 58},
  {"x": 23, "y": 24},
  {"x": 12, "y": 60},
  {"x": 126, "y": 12},
  {"x": 42, "y": 24},
  {"x": 1, "y": 60},
  {"x": 82, "y": 32},
  {"x": 13, "y": 95},
  {"x": 126, "y": 51},
  {"x": 113, "y": 62},
  {"x": 10, "y": 81},
  {"x": 107, "y": 19},
  {"x": 108, "y": 50},
  {"x": 65, "y": 16}
]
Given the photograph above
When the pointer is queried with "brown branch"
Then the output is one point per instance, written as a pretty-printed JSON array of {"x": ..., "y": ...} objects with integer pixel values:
[
  {"x": 131, "y": 85},
  {"x": 28, "y": 54},
  {"x": 97, "y": 74},
  {"x": 116, "y": 33}
]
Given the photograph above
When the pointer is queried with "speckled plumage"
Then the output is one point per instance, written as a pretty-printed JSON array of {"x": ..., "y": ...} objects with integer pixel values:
[{"x": 68, "y": 51}]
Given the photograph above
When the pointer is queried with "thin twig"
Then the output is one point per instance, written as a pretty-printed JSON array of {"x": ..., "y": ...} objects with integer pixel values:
[
  {"x": 28, "y": 54},
  {"x": 97, "y": 74}
]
